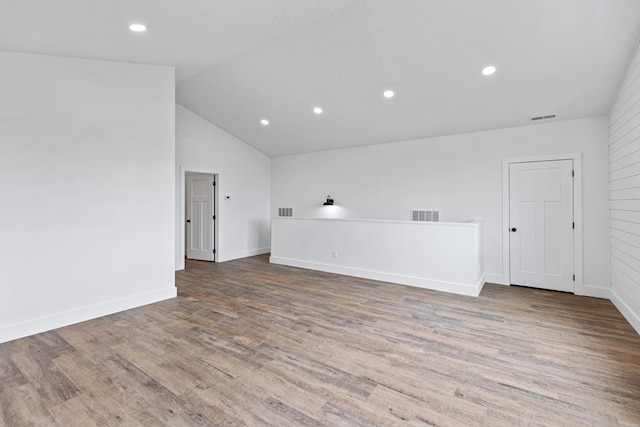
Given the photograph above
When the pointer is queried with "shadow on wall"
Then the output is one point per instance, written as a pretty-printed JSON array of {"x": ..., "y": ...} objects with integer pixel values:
[{"x": 262, "y": 230}]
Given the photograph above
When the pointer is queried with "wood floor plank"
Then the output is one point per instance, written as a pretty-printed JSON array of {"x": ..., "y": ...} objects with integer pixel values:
[
  {"x": 38, "y": 368},
  {"x": 152, "y": 397},
  {"x": 10, "y": 375},
  {"x": 79, "y": 412},
  {"x": 24, "y": 406},
  {"x": 107, "y": 402},
  {"x": 247, "y": 343}
]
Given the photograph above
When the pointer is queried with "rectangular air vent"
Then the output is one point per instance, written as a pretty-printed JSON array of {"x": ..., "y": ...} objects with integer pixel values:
[
  {"x": 424, "y": 215},
  {"x": 547, "y": 117},
  {"x": 285, "y": 211}
]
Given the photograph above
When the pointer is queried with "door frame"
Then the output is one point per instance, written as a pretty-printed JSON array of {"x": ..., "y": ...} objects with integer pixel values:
[
  {"x": 577, "y": 214},
  {"x": 207, "y": 254},
  {"x": 181, "y": 179}
]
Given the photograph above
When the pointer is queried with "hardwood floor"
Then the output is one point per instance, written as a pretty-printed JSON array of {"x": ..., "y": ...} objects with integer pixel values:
[{"x": 249, "y": 343}]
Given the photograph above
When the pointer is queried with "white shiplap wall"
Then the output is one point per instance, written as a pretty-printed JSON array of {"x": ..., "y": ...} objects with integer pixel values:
[{"x": 624, "y": 195}]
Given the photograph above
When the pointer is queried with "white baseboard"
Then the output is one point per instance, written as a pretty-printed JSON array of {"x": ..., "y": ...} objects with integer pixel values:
[
  {"x": 497, "y": 279},
  {"x": 587, "y": 290},
  {"x": 632, "y": 317},
  {"x": 47, "y": 323},
  {"x": 437, "y": 285},
  {"x": 243, "y": 254},
  {"x": 222, "y": 257},
  {"x": 596, "y": 292}
]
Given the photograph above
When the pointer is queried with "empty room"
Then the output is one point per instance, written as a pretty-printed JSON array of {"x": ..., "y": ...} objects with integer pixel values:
[{"x": 320, "y": 213}]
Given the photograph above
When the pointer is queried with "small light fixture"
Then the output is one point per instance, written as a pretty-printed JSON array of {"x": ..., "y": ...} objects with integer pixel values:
[
  {"x": 138, "y": 28},
  {"x": 264, "y": 122},
  {"x": 388, "y": 93},
  {"x": 488, "y": 70},
  {"x": 317, "y": 110},
  {"x": 329, "y": 202}
]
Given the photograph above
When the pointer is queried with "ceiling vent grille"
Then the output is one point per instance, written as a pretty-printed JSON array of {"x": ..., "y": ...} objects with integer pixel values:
[
  {"x": 424, "y": 215},
  {"x": 285, "y": 211},
  {"x": 547, "y": 117}
]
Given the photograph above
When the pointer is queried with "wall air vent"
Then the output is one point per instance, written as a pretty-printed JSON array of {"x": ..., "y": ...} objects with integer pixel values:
[
  {"x": 547, "y": 117},
  {"x": 285, "y": 211},
  {"x": 424, "y": 215}
]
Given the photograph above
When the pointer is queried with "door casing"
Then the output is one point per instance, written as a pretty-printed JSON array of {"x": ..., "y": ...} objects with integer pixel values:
[
  {"x": 541, "y": 217},
  {"x": 197, "y": 220},
  {"x": 577, "y": 210},
  {"x": 181, "y": 173}
]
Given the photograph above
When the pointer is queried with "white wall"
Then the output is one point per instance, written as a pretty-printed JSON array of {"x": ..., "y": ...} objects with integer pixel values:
[
  {"x": 460, "y": 175},
  {"x": 86, "y": 189},
  {"x": 433, "y": 255},
  {"x": 624, "y": 176},
  {"x": 243, "y": 174}
]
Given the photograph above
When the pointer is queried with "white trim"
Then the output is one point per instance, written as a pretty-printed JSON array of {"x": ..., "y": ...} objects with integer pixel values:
[
  {"x": 471, "y": 223},
  {"x": 437, "y": 285},
  {"x": 59, "y": 320},
  {"x": 579, "y": 288},
  {"x": 596, "y": 291},
  {"x": 245, "y": 254},
  {"x": 497, "y": 279},
  {"x": 631, "y": 316},
  {"x": 182, "y": 173}
]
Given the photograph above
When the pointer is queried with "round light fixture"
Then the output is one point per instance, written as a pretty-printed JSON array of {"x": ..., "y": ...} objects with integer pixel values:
[
  {"x": 317, "y": 110},
  {"x": 488, "y": 70},
  {"x": 388, "y": 94},
  {"x": 264, "y": 122},
  {"x": 138, "y": 28}
]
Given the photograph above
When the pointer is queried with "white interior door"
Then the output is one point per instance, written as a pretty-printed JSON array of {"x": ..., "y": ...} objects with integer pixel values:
[
  {"x": 541, "y": 224},
  {"x": 199, "y": 214}
]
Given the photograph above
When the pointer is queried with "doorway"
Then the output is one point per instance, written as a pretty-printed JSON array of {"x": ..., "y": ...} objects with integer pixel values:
[
  {"x": 200, "y": 216},
  {"x": 542, "y": 219}
]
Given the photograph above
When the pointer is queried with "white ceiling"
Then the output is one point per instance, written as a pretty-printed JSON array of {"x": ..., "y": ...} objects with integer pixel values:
[{"x": 238, "y": 61}]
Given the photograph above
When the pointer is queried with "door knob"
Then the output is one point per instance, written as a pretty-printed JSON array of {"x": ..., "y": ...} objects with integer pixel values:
[
  {"x": 188, "y": 220},
  {"x": 513, "y": 229}
]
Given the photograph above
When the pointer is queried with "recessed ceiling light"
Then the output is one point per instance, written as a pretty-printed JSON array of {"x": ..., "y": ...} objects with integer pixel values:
[
  {"x": 488, "y": 70},
  {"x": 138, "y": 28},
  {"x": 317, "y": 110},
  {"x": 264, "y": 122},
  {"x": 388, "y": 94}
]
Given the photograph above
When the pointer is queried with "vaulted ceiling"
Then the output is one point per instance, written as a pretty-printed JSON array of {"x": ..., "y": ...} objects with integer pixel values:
[{"x": 240, "y": 61}]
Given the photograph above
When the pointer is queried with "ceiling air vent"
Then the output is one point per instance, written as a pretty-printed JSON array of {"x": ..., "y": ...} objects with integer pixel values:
[{"x": 538, "y": 118}]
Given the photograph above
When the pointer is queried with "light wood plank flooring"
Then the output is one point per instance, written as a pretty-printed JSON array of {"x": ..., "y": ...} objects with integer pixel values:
[{"x": 247, "y": 343}]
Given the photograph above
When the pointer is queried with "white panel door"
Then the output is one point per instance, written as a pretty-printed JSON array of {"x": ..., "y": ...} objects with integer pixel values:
[
  {"x": 200, "y": 216},
  {"x": 541, "y": 224}
]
